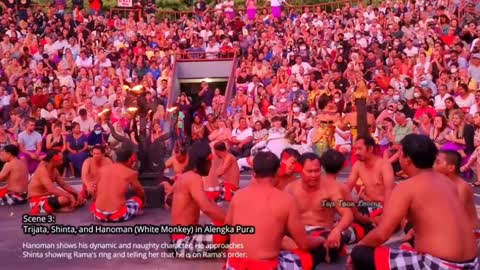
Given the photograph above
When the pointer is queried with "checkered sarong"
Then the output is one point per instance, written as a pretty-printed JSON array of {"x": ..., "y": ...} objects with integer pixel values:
[
  {"x": 40, "y": 205},
  {"x": 287, "y": 260},
  {"x": 11, "y": 197},
  {"x": 223, "y": 192},
  {"x": 132, "y": 208},
  {"x": 192, "y": 244},
  {"x": 398, "y": 259}
]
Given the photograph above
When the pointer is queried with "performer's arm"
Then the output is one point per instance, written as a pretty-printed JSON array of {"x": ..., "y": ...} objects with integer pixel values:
[
  {"x": 137, "y": 187},
  {"x": 229, "y": 217},
  {"x": 469, "y": 205},
  {"x": 345, "y": 213},
  {"x": 210, "y": 209},
  {"x": 5, "y": 172},
  {"x": 352, "y": 178},
  {"x": 85, "y": 169},
  {"x": 225, "y": 165},
  {"x": 396, "y": 210},
  {"x": 61, "y": 183},
  {"x": 50, "y": 187},
  {"x": 297, "y": 229},
  {"x": 169, "y": 163},
  {"x": 388, "y": 181}
]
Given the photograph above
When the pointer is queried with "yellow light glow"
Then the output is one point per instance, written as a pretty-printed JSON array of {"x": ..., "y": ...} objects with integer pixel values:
[
  {"x": 132, "y": 109},
  {"x": 171, "y": 109},
  {"x": 104, "y": 111}
]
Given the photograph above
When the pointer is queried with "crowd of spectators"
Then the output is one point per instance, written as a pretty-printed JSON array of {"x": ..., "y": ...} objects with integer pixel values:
[{"x": 420, "y": 62}]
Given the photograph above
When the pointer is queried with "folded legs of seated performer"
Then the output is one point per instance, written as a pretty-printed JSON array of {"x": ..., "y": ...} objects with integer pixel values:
[
  {"x": 223, "y": 192},
  {"x": 185, "y": 246},
  {"x": 12, "y": 198},
  {"x": 133, "y": 207},
  {"x": 383, "y": 258},
  {"x": 322, "y": 254},
  {"x": 287, "y": 260},
  {"x": 49, "y": 204}
]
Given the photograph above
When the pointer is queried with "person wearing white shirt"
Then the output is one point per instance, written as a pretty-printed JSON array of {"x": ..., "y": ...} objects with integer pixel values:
[
  {"x": 410, "y": 50},
  {"x": 83, "y": 60},
  {"x": 439, "y": 103},
  {"x": 306, "y": 66},
  {"x": 212, "y": 49},
  {"x": 464, "y": 99},
  {"x": 476, "y": 106},
  {"x": 86, "y": 123},
  {"x": 242, "y": 139},
  {"x": 49, "y": 113}
]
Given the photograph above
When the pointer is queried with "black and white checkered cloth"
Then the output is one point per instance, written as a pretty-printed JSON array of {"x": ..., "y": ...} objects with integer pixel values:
[
  {"x": 13, "y": 198},
  {"x": 411, "y": 260},
  {"x": 132, "y": 208},
  {"x": 193, "y": 246},
  {"x": 287, "y": 260}
]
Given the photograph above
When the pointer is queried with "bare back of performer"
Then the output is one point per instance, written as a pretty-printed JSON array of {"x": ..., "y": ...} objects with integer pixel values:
[
  {"x": 189, "y": 196},
  {"x": 113, "y": 183},
  {"x": 429, "y": 200},
  {"x": 15, "y": 172},
  {"x": 275, "y": 213}
]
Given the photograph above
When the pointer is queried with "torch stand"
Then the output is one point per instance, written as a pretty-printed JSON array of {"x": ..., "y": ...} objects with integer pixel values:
[{"x": 150, "y": 177}]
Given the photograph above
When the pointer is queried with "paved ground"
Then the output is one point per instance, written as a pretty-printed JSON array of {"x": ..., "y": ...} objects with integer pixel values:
[{"x": 14, "y": 250}]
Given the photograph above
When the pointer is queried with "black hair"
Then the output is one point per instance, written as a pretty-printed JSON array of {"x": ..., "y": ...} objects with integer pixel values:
[
  {"x": 32, "y": 120},
  {"x": 50, "y": 155},
  {"x": 180, "y": 148},
  {"x": 265, "y": 164},
  {"x": 220, "y": 146},
  {"x": 199, "y": 158},
  {"x": 368, "y": 140},
  {"x": 452, "y": 158},
  {"x": 324, "y": 100},
  {"x": 292, "y": 153},
  {"x": 124, "y": 153},
  {"x": 420, "y": 149},
  {"x": 332, "y": 161},
  {"x": 99, "y": 147},
  {"x": 11, "y": 149},
  {"x": 309, "y": 156}
]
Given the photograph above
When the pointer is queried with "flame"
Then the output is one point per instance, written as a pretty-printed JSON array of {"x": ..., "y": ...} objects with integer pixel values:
[
  {"x": 104, "y": 111},
  {"x": 171, "y": 109},
  {"x": 132, "y": 109},
  {"x": 137, "y": 88}
]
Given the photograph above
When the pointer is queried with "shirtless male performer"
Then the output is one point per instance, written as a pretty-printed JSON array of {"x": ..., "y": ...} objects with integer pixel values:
[
  {"x": 44, "y": 196},
  {"x": 15, "y": 172},
  {"x": 444, "y": 238},
  {"x": 113, "y": 182},
  {"x": 275, "y": 213},
  {"x": 227, "y": 168},
  {"x": 178, "y": 161},
  {"x": 289, "y": 165},
  {"x": 377, "y": 176},
  {"x": 189, "y": 199},
  {"x": 90, "y": 171},
  {"x": 319, "y": 198}
]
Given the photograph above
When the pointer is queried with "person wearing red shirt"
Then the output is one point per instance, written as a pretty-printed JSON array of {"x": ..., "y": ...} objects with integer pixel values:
[
  {"x": 423, "y": 108},
  {"x": 39, "y": 100}
]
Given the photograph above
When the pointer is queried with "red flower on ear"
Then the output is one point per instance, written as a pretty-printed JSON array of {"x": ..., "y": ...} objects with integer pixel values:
[{"x": 57, "y": 158}]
